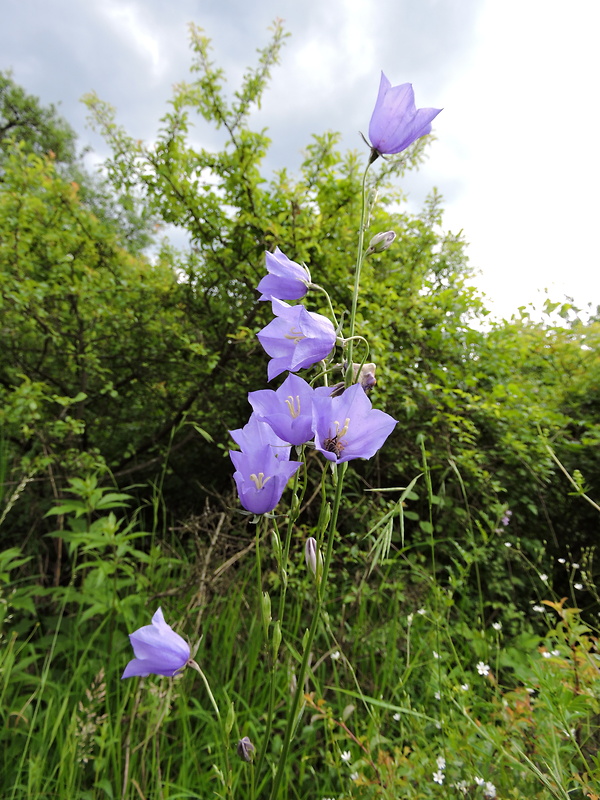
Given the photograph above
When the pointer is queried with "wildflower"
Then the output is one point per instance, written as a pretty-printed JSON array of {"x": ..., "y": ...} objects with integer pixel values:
[
  {"x": 396, "y": 717},
  {"x": 261, "y": 478},
  {"x": 441, "y": 762},
  {"x": 335, "y": 655},
  {"x": 506, "y": 518},
  {"x": 245, "y": 749},
  {"x": 489, "y": 790},
  {"x": 482, "y": 668},
  {"x": 578, "y": 586},
  {"x": 436, "y": 655},
  {"x": 437, "y": 695},
  {"x": 462, "y": 786},
  {"x": 255, "y": 434},
  {"x": 409, "y": 619},
  {"x": 575, "y": 566},
  {"x": 544, "y": 577},
  {"x": 286, "y": 279},
  {"x": 507, "y": 544},
  {"x": 497, "y": 626},
  {"x": 438, "y": 777},
  {"x": 346, "y": 756},
  {"x": 288, "y": 410},
  {"x": 348, "y": 427},
  {"x": 464, "y": 687},
  {"x": 422, "y": 611},
  {"x": 158, "y": 650},
  {"x": 296, "y": 338},
  {"x": 396, "y": 122},
  {"x": 561, "y": 560},
  {"x": 540, "y": 609},
  {"x": 479, "y": 781},
  {"x": 354, "y": 776}
]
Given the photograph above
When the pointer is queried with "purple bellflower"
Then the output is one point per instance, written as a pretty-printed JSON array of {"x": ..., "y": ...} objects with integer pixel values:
[
  {"x": 257, "y": 433},
  {"x": 261, "y": 478},
  {"x": 296, "y": 338},
  {"x": 396, "y": 122},
  {"x": 347, "y": 426},
  {"x": 158, "y": 650},
  {"x": 288, "y": 410},
  {"x": 286, "y": 279}
]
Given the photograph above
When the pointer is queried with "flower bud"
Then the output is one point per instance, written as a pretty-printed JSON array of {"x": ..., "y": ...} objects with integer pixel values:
[
  {"x": 380, "y": 242},
  {"x": 313, "y": 558},
  {"x": 245, "y": 749}
]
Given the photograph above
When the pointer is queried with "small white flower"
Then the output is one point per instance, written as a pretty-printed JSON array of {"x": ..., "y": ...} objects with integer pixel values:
[
  {"x": 479, "y": 781},
  {"x": 497, "y": 626},
  {"x": 441, "y": 762},
  {"x": 438, "y": 777},
  {"x": 464, "y": 687},
  {"x": 489, "y": 790},
  {"x": 422, "y": 611},
  {"x": 462, "y": 786},
  {"x": 578, "y": 586},
  {"x": 546, "y": 654},
  {"x": 543, "y": 577},
  {"x": 575, "y": 566},
  {"x": 346, "y": 756},
  {"x": 556, "y": 652},
  {"x": 483, "y": 668},
  {"x": 396, "y": 717},
  {"x": 409, "y": 619},
  {"x": 540, "y": 609},
  {"x": 436, "y": 655},
  {"x": 354, "y": 776},
  {"x": 507, "y": 544},
  {"x": 561, "y": 561},
  {"x": 335, "y": 655},
  {"x": 437, "y": 696}
]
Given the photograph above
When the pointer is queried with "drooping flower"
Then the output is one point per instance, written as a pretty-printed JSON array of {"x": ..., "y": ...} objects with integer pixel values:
[
  {"x": 396, "y": 122},
  {"x": 158, "y": 650},
  {"x": 257, "y": 434},
  {"x": 286, "y": 279},
  {"x": 296, "y": 338},
  {"x": 260, "y": 478},
  {"x": 288, "y": 410},
  {"x": 348, "y": 426},
  {"x": 245, "y": 749}
]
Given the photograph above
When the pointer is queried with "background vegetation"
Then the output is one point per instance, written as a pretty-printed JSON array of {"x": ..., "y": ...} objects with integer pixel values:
[{"x": 126, "y": 360}]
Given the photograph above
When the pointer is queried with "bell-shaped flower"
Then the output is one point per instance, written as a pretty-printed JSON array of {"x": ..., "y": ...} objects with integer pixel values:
[
  {"x": 158, "y": 650},
  {"x": 286, "y": 279},
  {"x": 260, "y": 477},
  {"x": 288, "y": 410},
  {"x": 296, "y": 338},
  {"x": 257, "y": 433},
  {"x": 396, "y": 122},
  {"x": 347, "y": 426}
]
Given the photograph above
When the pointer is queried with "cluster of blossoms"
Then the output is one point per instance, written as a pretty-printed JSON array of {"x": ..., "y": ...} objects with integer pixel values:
[{"x": 341, "y": 423}]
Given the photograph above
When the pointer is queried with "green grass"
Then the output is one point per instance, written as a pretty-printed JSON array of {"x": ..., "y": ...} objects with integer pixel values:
[{"x": 393, "y": 686}]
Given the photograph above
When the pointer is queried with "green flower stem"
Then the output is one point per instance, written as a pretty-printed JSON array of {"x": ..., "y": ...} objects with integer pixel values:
[
  {"x": 293, "y": 515},
  {"x": 211, "y": 697},
  {"x": 359, "y": 262},
  {"x": 293, "y": 714}
]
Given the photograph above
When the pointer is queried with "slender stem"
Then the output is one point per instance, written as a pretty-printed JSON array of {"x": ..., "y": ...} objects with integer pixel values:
[
  {"x": 194, "y": 665},
  {"x": 359, "y": 261},
  {"x": 293, "y": 714}
]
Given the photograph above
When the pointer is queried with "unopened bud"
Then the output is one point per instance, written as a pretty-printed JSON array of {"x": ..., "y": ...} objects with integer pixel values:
[
  {"x": 366, "y": 376},
  {"x": 314, "y": 560},
  {"x": 245, "y": 749},
  {"x": 380, "y": 242}
]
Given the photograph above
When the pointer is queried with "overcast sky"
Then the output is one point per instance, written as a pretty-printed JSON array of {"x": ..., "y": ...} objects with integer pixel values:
[{"x": 516, "y": 157}]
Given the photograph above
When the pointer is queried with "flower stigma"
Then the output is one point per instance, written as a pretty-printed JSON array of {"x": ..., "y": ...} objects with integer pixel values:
[
  {"x": 295, "y": 335},
  {"x": 294, "y": 407},
  {"x": 259, "y": 480}
]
